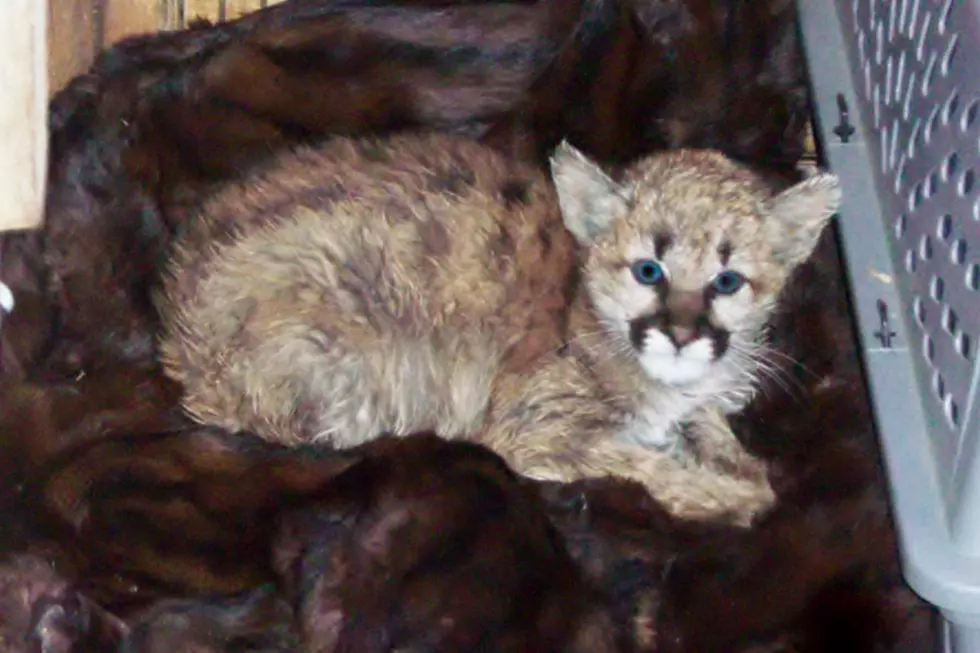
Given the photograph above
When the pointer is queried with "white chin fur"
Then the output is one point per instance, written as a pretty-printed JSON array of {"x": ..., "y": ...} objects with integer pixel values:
[{"x": 661, "y": 360}]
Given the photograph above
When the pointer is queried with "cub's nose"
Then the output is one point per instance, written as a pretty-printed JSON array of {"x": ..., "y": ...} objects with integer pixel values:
[{"x": 682, "y": 335}]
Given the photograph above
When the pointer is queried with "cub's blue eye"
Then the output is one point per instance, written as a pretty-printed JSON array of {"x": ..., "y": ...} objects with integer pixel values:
[
  {"x": 728, "y": 282},
  {"x": 648, "y": 272}
]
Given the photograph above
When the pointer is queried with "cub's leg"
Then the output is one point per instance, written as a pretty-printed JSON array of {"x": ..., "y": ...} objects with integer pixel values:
[
  {"x": 729, "y": 485},
  {"x": 711, "y": 443},
  {"x": 686, "y": 489},
  {"x": 558, "y": 426}
]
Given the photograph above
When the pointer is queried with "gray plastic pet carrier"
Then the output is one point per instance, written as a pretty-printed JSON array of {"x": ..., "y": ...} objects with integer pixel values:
[{"x": 896, "y": 88}]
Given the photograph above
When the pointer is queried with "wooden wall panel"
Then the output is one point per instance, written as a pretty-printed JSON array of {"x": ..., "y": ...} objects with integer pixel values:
[
  {"x": 194, "y": 9},
  {"x": 73, "y": 39},
  {"x": 238, "y": 8},
  {"x": 216, "y": 10},
  {"x": 23, "y": 112},
  {"x": 123, "y": 18},
  {"x": 171, "y": 13}
]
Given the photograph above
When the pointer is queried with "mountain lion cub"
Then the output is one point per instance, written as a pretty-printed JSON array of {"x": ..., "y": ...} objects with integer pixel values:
[{"x": 427, "y": 282}]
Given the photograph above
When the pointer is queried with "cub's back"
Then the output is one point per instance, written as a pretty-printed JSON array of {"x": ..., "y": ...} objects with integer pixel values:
[{"x": 417, "y": 253}]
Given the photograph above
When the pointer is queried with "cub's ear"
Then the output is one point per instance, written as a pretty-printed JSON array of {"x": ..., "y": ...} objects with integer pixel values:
[
  {"x": 800, "y": 213},
  {"x": 590, "y": 200}
]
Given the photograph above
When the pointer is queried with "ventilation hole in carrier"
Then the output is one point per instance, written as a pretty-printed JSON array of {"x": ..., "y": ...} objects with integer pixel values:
[
  {"x": 867, "y": 78},
  {"x": 901, "y": 224},
  {"x": 909, "y": 94},
  {"x": 952, "y": 105},
  {"x": 911, "y": 261},
  {"x": 944, "y": 13},
  {"x": 929, "y": 75},
  {"x": 969, "y": 116},
  {"x": 913, "y": 16},
  {"x": 914, "y": 136},
  {"x": 900, "y": 174},
  {"x": 892, "y": 20},
  {"x": 919, "y": 310},
  {"x": 893, "y": 150},
  {"x": 925, "y": 248},
  {"x": 932, "y": 184},
  {"x": 963, "y": 345},
  {"x": 928, "y": 348},
  {"x": 900, "y": 76},
  {"x": 879, "y": 43},
  {"x": 876, "y": 105},
  {"x": 951, "y": 166},
  {"x": 916, "y": 197},
  {"x": 889, "y": 80},
  {"x": 973, "y": 277},
  {"x": 957, "y": 251},
  {"x": 966, "y": 183},
  {"x": 920, "y": 46},
  {"x": 931, "y": 125},
  {"x": 949, "y": 55},
  {"x": 884, "y": 148},
  {"x": 951, "y": 321},
  {"x": 944, "y": 229},
  {"x": 939, "y": 385},
  {"x": 937, "y": 289},
  {"x": 952, "y": 411},
  {"x": 910, "y": 10}
]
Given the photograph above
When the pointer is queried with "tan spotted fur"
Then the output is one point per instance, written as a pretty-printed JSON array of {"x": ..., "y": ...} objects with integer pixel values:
[{"x": 425, "y": 282}]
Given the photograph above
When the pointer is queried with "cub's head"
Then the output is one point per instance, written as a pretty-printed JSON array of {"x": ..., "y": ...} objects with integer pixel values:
[{"x": 686, "y": 254}]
